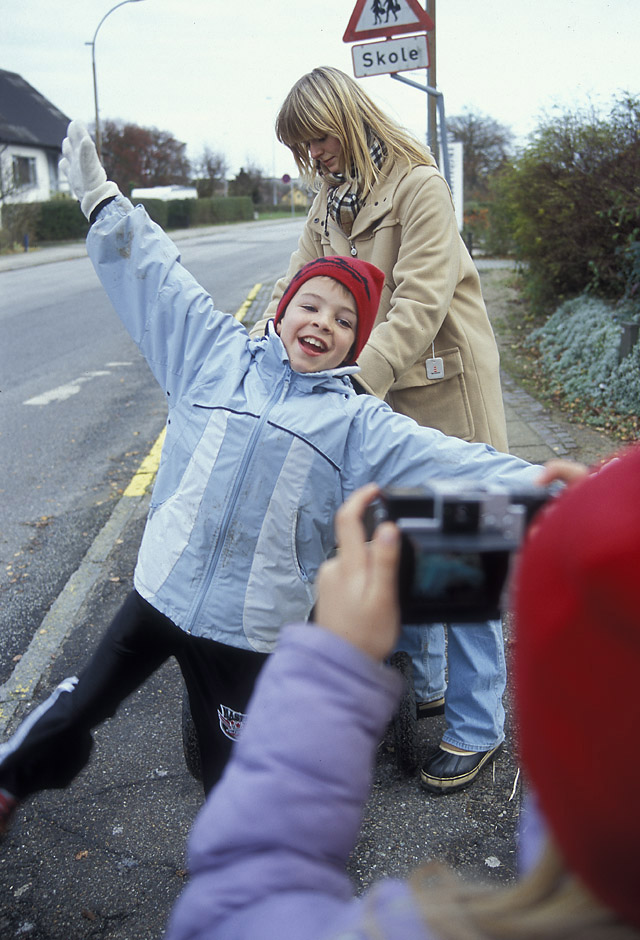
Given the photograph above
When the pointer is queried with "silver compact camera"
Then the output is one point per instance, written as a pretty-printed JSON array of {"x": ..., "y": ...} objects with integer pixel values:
[{"x": 457, "y": 545}]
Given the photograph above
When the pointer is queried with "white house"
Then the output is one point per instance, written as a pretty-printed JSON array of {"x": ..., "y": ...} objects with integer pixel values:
[{"x": 31, "y": 134}]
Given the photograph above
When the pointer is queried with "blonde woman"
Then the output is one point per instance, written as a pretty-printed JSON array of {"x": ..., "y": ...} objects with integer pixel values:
[
  {"x": 268, "y": 853},
  {"x": 432, "y": 354}
]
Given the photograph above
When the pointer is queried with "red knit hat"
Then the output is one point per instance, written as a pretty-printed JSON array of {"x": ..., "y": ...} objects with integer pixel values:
[
  {"x": 577, "y": 673},
  {"x": 363, "y": 280}
]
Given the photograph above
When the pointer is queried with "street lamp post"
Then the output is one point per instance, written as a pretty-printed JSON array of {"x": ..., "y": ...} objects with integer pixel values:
[
  {"x": 273, "y": 160},
  {"x": 93, "y": 64}
]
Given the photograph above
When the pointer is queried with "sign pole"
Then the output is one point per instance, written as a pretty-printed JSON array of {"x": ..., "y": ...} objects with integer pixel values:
[
  {"x": 438, "y": 98},
  {"x": 432, "y": 134}
]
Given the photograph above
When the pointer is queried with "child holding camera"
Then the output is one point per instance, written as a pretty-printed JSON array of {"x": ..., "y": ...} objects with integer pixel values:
[
  {"x": 266, "y": 866},
  {"x": 265, "y": 439}
]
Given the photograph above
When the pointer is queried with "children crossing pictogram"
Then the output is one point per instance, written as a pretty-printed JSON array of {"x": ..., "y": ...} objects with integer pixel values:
[{"x": 372, "y": 18}]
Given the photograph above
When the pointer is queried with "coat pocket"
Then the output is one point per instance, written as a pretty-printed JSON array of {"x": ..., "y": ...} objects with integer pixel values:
[
  {"x": 417, "y": 374},
  {"x": 436, "y": 403}
]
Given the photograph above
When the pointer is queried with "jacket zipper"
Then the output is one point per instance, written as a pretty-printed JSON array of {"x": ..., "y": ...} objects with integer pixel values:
[
  {"x": 233, "y": 499},
  {"x": 334, "y": 225}
]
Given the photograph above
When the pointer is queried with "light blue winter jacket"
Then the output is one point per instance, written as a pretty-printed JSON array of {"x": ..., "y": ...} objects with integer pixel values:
[{"x": 257, "y": 457}]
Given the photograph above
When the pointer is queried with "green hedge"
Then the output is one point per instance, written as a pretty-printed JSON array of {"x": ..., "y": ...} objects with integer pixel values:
[
  {"x": 158, "y": 209},
  {"x": 185, "y": 213},
  {"x": 62, "y": 219},
  {"x": 56, "y": 220}
]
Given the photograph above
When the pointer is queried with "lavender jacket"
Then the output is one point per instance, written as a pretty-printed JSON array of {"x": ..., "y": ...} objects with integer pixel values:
[{"x": 268, "y": 851}]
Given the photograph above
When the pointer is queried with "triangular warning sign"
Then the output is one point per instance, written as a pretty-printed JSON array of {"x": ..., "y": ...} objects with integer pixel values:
[{"x": 373, "y": 18}]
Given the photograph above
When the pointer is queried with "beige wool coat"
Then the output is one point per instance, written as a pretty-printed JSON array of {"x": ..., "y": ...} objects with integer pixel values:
[{"x": 431, "y": 304}]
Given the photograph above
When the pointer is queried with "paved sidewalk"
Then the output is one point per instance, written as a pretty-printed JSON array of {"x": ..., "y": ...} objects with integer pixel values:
[
  {"x": 47, "y": 255},
  {"x": 533, "y": 434},
  {"x": 68, "y": 251}
]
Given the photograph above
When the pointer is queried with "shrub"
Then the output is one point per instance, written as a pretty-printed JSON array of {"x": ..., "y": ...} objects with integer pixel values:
[
  {"x": 498, "y": 238},
  {"x": 572, "y": 199},
  {"x": 158, "y": 210},
  {"x": 60, "y": 220},
  {"x": 220, "y": 209},
  {"x": 579, "y": 352},
  {"x": 179, "y": 213},
  {"x": 185, "y": 213},
  {"x": 629, "y": 256},
  {"x": 624, "y": 383},
  {"x": 19, "y": 219}
]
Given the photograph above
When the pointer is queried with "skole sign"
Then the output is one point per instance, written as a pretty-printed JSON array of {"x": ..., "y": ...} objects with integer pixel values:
[{"x": 394, "y": 55}]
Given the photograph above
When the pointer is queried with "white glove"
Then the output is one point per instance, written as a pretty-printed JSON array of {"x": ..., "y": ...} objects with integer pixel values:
[{"x": 86, "y": 175}]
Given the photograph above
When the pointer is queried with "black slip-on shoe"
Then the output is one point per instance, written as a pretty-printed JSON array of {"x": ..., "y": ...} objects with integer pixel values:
[{"x": 446, "y": 772}]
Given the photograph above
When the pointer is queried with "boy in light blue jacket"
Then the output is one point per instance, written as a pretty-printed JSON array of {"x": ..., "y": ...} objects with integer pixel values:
[{"x": 265, "y": 439}]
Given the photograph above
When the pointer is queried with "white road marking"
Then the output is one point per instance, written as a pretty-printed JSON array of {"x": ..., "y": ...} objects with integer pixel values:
[{"x": 62, "y": 392}]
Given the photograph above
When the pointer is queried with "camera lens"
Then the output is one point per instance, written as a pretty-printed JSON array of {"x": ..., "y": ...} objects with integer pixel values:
[{"x": 460, "y": 516}]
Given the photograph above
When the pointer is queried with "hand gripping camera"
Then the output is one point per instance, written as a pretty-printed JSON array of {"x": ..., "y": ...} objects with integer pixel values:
[{"x": 457, "y": 546}]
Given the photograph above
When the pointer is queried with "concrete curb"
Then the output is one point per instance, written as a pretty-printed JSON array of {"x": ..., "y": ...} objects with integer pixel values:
[{"x": 62, "y": 617}]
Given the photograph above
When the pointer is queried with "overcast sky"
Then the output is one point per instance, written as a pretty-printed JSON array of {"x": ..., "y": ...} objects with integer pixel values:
[{"x": 214, "y": 72}]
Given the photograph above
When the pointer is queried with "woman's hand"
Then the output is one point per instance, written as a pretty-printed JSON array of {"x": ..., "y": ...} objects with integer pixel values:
[{"x": 357, "y": 591}]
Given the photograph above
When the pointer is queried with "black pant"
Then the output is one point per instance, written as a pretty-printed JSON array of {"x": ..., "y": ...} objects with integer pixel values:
[{"x": 53, "y": 743}]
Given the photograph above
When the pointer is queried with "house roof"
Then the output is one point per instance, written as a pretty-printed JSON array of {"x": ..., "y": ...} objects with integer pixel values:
[{"x": 26, "y": 117}]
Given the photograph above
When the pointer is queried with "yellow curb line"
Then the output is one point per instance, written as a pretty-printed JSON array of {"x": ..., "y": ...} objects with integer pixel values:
[
  {"x": 145, "y": 474},
  {"x": 241, "y": 312}
]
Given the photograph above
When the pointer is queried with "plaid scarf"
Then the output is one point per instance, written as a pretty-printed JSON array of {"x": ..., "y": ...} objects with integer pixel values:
[{"x": 344, "y": 199}]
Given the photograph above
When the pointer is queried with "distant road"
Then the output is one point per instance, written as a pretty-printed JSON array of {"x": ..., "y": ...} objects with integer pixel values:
[{"x": 79, "y": 408}]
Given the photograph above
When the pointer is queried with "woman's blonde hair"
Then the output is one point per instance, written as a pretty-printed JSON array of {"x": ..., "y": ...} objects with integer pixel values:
[
  {"x": 326, "y": 101},
  {"x": 548, "y": 904}
]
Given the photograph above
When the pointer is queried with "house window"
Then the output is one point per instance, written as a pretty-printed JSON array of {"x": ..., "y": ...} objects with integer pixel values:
[{"x": 24, "y": 172}]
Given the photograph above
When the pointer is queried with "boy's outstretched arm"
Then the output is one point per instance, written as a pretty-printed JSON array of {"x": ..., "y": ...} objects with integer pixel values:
[{"x": 168, "y": 314}]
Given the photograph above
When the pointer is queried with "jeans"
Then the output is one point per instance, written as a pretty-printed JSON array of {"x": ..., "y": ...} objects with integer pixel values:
[{"x": 477, "y": 678}]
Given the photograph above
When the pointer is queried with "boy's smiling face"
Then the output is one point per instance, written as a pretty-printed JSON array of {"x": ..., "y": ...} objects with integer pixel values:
[{"x": 318, "y": 328}]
